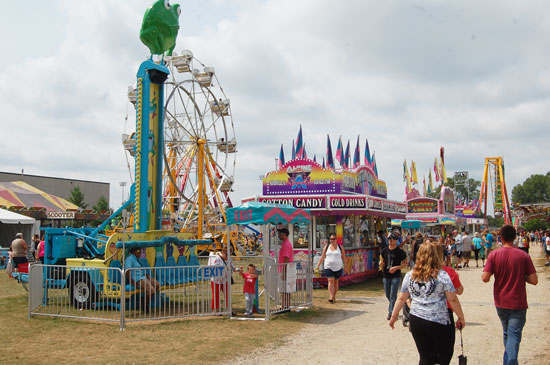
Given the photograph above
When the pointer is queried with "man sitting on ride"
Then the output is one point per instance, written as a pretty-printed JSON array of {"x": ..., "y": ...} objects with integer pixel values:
[{"x": 139, "y": 277}]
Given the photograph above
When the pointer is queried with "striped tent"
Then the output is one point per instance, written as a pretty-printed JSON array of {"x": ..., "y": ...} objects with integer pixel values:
[{"x": 21, "y": 194}]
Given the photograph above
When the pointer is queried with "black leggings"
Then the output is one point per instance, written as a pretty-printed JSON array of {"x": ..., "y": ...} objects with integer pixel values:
[
  {"x": 476, "y": 253},
  {"x": 433, "y": 341}
]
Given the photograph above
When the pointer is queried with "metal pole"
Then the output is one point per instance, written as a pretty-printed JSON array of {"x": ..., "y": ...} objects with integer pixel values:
[
  {"x": 267, "y": 272},
  {"x": 123, "y": 272},
  {"x": 200, "y": 176},
  {"x": 229, "y": 273}
]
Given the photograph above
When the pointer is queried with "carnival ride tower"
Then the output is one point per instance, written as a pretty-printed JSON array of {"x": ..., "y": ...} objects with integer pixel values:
[
  {"x": 493, "y": 175},
  {"x": 184, "y": 145},
  {"x": 149, "y": 144}
]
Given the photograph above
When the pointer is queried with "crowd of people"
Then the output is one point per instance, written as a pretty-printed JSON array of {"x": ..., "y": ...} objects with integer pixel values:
[{"x": 428, "y": 293}]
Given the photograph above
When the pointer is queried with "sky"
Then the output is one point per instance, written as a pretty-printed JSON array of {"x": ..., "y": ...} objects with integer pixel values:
[{"x": 473, "y": 77}]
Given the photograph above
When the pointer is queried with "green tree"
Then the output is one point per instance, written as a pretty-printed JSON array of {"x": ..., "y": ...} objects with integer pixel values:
[
  {"x": 77, "y": 197},
  {"x": 535, "y": 189},
  {"x": 495, "y": 222},
  {"x": 468, "y": 189},
  {"x": 101, "y": 204},
  {"x": 535, "y": 224}
]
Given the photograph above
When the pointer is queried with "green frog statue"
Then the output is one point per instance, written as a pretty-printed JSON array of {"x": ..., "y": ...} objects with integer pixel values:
[{"x": 160, "y": 27}]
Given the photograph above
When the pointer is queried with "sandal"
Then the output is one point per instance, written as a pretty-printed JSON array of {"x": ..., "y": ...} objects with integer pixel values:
[{"x": 331, "y": 300}]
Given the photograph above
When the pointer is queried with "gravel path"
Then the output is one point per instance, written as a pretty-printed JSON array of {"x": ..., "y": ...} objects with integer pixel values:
[{"x": 358, "y": 332}]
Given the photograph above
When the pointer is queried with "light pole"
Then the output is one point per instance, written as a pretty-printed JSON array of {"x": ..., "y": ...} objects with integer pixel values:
[{"x": 122, "y": 185}]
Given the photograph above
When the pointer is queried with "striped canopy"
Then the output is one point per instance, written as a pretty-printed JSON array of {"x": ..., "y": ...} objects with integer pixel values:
[
  {"x": 264, "y": 213},
  {"x": 21, "y": 194}
]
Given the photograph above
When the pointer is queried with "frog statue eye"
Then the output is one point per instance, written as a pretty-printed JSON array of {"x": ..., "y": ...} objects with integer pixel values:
[
  {"x": 179, "y": 11},
  {"x": 167, "y": 4}
]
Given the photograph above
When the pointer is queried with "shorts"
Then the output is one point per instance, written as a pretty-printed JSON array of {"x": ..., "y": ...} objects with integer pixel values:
[
  {"x": 458, "y": 253},
  {"x": 19, "y": 260},
  {"x": 333, "y": 274},
  {"x": 467, "y": 254}
]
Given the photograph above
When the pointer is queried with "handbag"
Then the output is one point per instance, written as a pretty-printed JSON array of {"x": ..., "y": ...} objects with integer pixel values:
[{"x": 462, "y": 359}]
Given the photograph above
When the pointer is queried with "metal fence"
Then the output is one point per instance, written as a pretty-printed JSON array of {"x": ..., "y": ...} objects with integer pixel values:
[
  {"x": 153, "y": 293},
  {"x": 74, "y": 292},
  {"x": 288, "y": 286}
]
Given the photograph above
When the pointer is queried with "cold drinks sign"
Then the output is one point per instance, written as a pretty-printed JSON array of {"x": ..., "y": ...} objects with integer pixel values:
[{"x": 347, "y": 202}]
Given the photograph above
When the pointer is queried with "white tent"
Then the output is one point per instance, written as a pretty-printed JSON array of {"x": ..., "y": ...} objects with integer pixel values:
[{"x": 11, "y": 223}]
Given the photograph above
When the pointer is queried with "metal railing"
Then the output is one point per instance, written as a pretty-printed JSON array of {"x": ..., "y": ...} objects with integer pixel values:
[
  {"x": 154, "y": 293},
  {"x": 288, "y": 286},
  {"x": 73, "y": 292}
]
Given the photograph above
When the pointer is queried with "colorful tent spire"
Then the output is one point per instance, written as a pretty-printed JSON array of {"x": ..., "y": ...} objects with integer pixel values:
[
  {"x": 356, "y": 155},
  {"x": 281, "y": 157},
  {"x": 374, "y": 165},
  {"x": 368, "y": 161},
  {"x": 293, "y": 150},
  {"x": 330, "y": 159},
  {"x": 346, "y": 157},
  {"x": 340, "y": 152},
  {"x": 300, "y": 144}
]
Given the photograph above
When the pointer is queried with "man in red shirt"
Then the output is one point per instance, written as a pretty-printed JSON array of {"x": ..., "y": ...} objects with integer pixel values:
[
  {"x": 286, "y": 255},
  {"x": 512, "y": 268}
]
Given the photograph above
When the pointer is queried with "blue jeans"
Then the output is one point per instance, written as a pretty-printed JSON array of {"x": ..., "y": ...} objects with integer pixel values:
[
  {"x": 513, "y": 321},
  {"x": 391, "y": 286}
]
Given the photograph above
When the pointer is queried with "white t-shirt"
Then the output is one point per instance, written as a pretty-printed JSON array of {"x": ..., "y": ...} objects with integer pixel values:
[
  {"x": 333, "y": 259},
  {"x": 548, "y": 243}
]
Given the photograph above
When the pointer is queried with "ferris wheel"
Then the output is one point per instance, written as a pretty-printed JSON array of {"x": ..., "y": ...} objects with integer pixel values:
[{"x": 199, "y": 146}]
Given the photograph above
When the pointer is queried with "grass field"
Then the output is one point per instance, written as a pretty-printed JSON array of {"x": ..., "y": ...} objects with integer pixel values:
[{"x": 206, "y": 340}]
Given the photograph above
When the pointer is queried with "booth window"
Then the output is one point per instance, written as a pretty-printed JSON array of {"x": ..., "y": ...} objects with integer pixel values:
[
  {"x": 349, "y": 231},
  {"x": 301, "y": 235},
  {"x": 325, "y": 226}
]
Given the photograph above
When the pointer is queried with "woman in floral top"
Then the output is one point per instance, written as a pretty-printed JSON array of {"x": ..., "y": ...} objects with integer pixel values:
[{"x": 430, "y": 288}]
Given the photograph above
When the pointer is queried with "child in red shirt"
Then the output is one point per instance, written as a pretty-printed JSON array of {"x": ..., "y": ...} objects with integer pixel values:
[{"x": 249, "y": 288}]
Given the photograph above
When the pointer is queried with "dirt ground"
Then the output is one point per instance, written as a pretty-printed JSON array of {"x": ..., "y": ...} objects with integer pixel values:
[{"x": 359, "y": 332}]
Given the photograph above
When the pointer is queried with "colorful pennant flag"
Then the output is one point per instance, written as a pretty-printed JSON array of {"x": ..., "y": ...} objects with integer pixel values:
[
  {"x": 431, "y": 184},
  {"x": 374, "y": 165},
  {"x": 436, "y": 170},
  {"x": 304, "y": 153},
  {"x": 414, "y": 178},
  {"x": 406, "y": 177},
  {"x": 293, "y": 151},
  {"x": 323, "y": 162},
  {"x": 443, "y": 173}
]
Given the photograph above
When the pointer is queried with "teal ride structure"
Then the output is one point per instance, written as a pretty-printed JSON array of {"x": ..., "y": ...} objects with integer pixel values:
[{"x": 73, "y": 256}]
